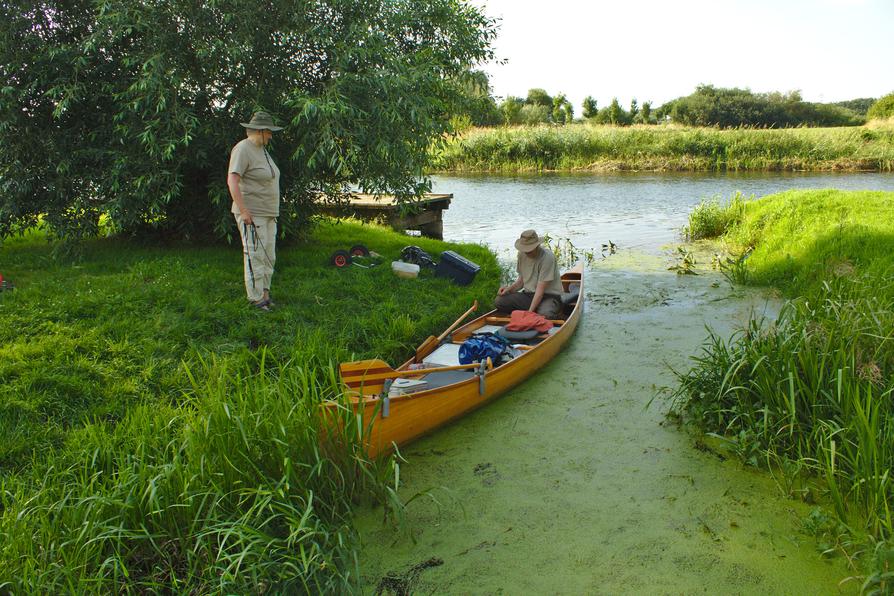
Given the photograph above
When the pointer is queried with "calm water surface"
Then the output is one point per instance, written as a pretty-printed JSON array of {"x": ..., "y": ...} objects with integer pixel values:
[
  {"x": 572, "y": 483},
  {"x": 640, "y": 210}
]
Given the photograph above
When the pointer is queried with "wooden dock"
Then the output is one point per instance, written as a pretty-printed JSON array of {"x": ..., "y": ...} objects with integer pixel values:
[{"x": 426, "y": 215}]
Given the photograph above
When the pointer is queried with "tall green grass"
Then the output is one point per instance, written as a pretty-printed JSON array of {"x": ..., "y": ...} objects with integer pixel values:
[
  {"x": 813, "y": 389},
  {"x": 713, "y": 217},
  {"x": 609, "y": 148},
  {"x": 228, "y": 491},
  {"x": 164, "y": 435}
]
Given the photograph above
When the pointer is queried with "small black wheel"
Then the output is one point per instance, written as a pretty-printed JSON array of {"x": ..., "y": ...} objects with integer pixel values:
[
  {"x": 359, "y": 250},
  {"x": 340, "y": 258}
]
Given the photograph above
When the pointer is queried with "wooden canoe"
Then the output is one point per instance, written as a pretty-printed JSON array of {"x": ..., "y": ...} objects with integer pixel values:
[{"x": 444, "y": 391}]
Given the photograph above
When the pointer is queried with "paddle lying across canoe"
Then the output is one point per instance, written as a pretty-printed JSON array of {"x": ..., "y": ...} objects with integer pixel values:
[{"x": 432, "y": 388}]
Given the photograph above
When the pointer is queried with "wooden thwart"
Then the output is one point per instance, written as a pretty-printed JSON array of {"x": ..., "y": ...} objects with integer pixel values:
[
  {"x": 368, "y": 377},
  {"x": 505, "y": 320}
]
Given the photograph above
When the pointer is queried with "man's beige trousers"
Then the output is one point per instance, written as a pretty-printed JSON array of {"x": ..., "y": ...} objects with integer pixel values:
[{"x": 259, "y": 254}]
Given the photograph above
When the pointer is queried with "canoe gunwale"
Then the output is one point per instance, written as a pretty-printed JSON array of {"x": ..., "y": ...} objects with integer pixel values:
[{"x": 401, "y": 419}]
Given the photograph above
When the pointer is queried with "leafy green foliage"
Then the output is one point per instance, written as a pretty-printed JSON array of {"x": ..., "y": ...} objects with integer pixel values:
[
  {"x": 481, "y": 108},
  {"x": 646, "y": 113},
  {"x": 717, "y": 106},
  {"x": 590, "y": 107},
  {"x": 563, "y": 111},
  {"x": 532, "y": 114},
  {"x": 616, "y": 114},
  {"x": 510, "y": 109},
  {"x": 128, "y": 110},
  {"x": 858, "y": 106},
  {"x": 539, "y": 97},
  {"x": 882, "y": 109},
  {"x": 613, "y": 114}
]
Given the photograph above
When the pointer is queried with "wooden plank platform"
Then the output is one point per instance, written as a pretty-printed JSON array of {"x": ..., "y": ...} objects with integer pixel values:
[{"x": 426, "y": 215}]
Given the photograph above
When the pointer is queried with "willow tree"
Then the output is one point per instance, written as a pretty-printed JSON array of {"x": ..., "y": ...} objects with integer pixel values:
[{"x": 127, "y": 109}]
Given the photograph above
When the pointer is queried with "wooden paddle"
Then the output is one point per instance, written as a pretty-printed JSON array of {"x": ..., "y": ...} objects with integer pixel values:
[
  {"x": 368, "y": 376},
  {"x": 433, "y": 342}
]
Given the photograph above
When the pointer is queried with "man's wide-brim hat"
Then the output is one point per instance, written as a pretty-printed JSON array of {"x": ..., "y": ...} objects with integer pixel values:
[
  {"x": 528, "y": 241},
  {"x": 261, "y": 121}
]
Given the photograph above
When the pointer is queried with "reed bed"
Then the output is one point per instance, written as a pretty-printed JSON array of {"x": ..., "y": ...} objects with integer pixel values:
[
  {"x": 810, "y": 393},
  {"x": 667, "y": 148}
]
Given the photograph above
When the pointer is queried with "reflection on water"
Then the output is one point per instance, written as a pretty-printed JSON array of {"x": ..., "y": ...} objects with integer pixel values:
[{"x": 633, "y": 210}]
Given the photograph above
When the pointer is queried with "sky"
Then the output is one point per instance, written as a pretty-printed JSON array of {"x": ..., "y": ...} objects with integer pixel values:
[{"x": 657, "y": 50}]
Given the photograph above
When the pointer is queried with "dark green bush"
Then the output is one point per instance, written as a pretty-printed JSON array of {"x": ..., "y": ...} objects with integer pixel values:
[{"x": 882, "y": 109}]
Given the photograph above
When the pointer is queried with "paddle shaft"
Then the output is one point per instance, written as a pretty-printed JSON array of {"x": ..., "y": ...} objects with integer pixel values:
[
  {"x": 433, "y": 342},
  {"x": 424, "y": 371},
  {"x": 458, "y": 321}
]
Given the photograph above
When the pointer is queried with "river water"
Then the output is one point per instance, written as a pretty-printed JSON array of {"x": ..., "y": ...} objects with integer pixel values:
[
  {"x": 642, "y": 211},
  {"x": 574, "y": 483}
]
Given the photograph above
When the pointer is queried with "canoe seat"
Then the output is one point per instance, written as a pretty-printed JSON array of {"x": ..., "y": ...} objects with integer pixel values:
[{"x": 440, "y": 379}]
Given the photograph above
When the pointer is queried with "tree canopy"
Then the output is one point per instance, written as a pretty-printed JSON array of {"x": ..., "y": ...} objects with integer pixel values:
[
  {"x": 731, "y": 107},
  {"x": 127, "y": 109},
  {"x": 883, "y": 108}
]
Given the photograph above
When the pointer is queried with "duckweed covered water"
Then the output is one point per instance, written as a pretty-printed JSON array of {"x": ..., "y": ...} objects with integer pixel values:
[{"x": 570, "y": 484}]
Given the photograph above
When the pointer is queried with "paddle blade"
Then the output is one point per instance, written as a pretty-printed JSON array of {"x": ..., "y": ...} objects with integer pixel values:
[{"x": 366, "y": 377}]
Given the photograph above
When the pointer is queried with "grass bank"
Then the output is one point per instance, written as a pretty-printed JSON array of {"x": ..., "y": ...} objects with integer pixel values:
[
  {"x": 159, "y": 434},
  {"x": 583, "y": 147},
  {"x": 810, "y": 394}
]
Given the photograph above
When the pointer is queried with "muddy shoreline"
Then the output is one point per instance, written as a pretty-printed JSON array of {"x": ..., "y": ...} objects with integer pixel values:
[{"x": 573, "y": 484}]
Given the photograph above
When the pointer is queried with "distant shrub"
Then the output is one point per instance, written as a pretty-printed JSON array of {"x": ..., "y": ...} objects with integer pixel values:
[
  {"x": 539, "y": 97},
  {"x": 590, "y": 107},
  {"x": 510, "y": 110},
  {"x": 882, "y": 109},
  {"x": 730, "y": 108},
  {"x": 534, "y": 114},
  {"x": 859, "y": 106}
]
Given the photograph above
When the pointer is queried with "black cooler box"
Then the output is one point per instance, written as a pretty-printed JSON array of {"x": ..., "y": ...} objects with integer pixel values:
[{"x": 456, "y": 267}]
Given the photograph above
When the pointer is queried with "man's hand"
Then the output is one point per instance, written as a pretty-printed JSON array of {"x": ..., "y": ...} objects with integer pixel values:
[
  {"x": 502, "y": 290},
  {"x": 246, "y": 217}
]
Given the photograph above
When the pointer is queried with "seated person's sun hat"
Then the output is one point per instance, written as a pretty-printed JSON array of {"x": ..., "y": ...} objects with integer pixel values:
[
  {"x": 528, "y": 241},
  {"x": 261, "y": 121}
]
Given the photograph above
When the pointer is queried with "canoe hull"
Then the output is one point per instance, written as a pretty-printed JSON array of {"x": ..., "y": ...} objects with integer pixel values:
[{"x": 410, "y": 416}]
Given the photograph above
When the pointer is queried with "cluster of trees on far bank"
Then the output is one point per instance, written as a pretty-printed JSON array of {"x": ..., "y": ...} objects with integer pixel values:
[
  {"x": 706, "y": 106},
  {"x": 714, "y": 106}
]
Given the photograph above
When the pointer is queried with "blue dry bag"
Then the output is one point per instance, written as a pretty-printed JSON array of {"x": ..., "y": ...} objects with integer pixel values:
[{"x": 482, "y": 346}]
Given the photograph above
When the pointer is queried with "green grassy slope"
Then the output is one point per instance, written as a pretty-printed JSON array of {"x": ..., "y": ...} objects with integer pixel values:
[{"x": 161, "y": 434}]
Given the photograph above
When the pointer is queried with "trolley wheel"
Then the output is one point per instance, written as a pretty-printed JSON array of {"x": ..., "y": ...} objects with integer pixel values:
[
  {"x": 359, "y": 250},
  {"x": 340, "y": 258}
]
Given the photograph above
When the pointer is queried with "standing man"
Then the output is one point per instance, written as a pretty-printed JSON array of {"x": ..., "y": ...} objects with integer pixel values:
[
  {"x": 253, "y": 180},
  {"x": 538, "y": 287}
]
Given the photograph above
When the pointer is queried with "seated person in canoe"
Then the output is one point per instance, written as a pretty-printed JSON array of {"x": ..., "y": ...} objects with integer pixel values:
[{"x": 539, "y": 286}]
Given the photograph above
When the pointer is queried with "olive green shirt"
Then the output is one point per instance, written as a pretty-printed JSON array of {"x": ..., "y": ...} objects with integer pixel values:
[
  {"x": 542, "y": 267},
  {"x": 258, "y": 179}
]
